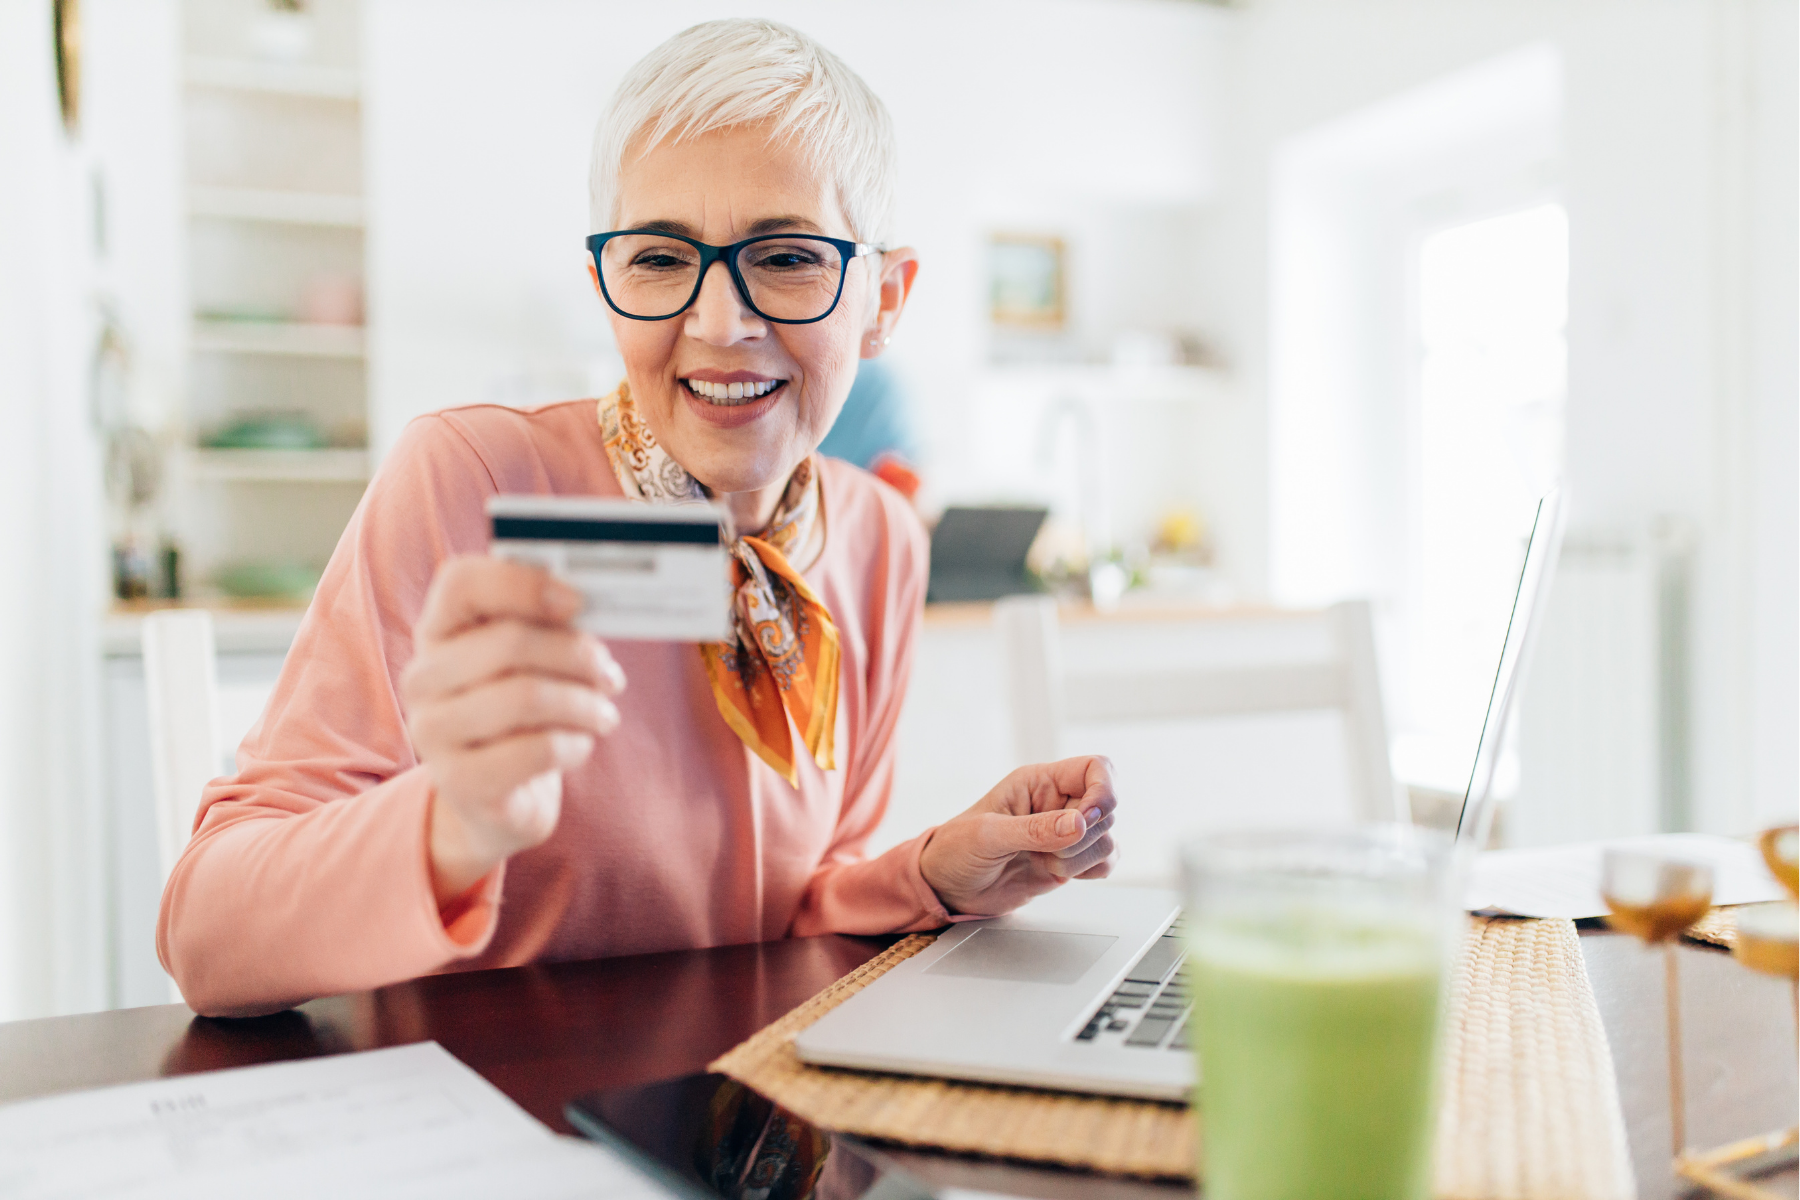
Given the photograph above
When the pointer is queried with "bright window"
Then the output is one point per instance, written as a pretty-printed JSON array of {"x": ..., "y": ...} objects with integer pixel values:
[{"x": 1491, "y": 375}]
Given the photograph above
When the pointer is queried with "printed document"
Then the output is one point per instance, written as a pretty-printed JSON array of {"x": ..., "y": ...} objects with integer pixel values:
[
  {"x": 1564, "y": 881},
  {"x": 410, "y": 1121}
]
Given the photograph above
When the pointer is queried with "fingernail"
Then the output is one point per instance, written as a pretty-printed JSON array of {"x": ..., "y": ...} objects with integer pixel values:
[
  {"x": 1092, "y": 815},
  {"x": 1069, "y": 823},
  {"x": 572, "y": 747},
  {"x": 607, "y": 666}
]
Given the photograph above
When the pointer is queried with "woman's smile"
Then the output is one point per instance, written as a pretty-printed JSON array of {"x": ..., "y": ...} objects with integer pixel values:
[
  {"x": 731, "y": 399},
  {"x": 732, "y": 393}
]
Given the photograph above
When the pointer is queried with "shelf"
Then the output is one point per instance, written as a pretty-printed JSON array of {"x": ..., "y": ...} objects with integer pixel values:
[
  {"x": 281, "y": 466},
  {"x": 293, "y": 338},
  {"x": 287, "y": 208},
  {"x": 279, "y": 79}
]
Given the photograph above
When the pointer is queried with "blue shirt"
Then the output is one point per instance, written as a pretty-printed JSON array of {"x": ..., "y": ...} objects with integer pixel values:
[{"x": 876, "y": 419}]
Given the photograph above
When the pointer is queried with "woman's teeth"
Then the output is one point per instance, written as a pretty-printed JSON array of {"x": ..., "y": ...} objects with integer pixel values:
[{"x": 729, "y": 393}]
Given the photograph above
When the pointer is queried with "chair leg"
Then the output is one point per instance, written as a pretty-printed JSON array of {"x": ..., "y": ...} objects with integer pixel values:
[{"x": 1029, "y": 653}]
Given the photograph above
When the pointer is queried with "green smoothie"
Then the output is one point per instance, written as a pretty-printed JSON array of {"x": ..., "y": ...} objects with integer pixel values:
[{"x": 1316, "y": 1039}]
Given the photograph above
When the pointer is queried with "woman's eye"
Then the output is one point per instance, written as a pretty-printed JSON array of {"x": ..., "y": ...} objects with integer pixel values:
[
  {"x": 658, "y": 261},
  {"x": 786, "y": 260}
]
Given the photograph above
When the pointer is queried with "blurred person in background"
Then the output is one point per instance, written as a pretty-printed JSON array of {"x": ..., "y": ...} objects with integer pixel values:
[
  {"x": 449, "y": 775},
  {"x": 875, "y": 430}
]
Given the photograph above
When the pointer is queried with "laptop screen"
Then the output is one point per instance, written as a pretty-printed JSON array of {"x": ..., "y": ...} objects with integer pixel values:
[
  {"x": 1528, "y": 603},
  {"x": 979, "y": 553}
]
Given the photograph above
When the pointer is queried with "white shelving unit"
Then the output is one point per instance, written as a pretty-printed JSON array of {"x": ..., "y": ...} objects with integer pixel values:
[{"x": 274, "y": 221}]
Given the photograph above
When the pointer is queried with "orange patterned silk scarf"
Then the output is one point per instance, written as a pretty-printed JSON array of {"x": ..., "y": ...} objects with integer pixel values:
[{"x": 782, "y": 660}]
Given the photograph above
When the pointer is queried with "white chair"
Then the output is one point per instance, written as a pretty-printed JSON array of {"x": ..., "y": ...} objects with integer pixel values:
[
  {"x": 183, "y": 698},
  {"x": 1044, "y": 698},
  {"x": 195, "y": 723}
]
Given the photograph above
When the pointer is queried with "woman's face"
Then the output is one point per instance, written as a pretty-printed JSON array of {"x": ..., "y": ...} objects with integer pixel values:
[{"x": 723, "y": 187}]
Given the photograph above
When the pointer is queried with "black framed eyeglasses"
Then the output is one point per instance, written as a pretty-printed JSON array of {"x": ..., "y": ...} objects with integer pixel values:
[{"x": 787, "y": 278}]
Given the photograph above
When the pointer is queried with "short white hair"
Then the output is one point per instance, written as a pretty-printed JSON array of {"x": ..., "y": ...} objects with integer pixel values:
[{"x": 748, "y": 71}]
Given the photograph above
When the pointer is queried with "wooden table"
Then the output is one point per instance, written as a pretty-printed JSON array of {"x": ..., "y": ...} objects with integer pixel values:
[{"x": 544, "y": 1034}]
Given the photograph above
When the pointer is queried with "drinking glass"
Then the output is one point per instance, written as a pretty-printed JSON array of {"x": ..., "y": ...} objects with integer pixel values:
[
  {"x": 1781, "y": 851},
  {"x": 1768, "y": 935},
  {"x": 1318, "y": 964}
]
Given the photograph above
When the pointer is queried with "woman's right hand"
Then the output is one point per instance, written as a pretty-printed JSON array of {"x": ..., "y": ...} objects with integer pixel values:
[{"x": 502, "y": 695}]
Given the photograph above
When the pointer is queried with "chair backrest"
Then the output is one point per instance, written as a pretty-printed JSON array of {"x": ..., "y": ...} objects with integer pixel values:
[
  {"x": 1044, "y": 697},
  {"x": 183, "y": 695}
]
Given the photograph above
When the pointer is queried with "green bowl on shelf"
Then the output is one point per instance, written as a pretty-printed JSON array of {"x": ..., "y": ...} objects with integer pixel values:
[
  {"x": 269, "y": 431},
  {"x": 267, "y": 580}
]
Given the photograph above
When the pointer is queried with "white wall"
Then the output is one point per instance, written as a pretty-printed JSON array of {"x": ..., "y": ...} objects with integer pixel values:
[
  {"x": 1678, "y": 170},
  {"x": 52, "y": 868},
  {"x": 131, "y": 133},
  {"x": 1348, "y": 200},
  {"x": 1771, "y": 383}
]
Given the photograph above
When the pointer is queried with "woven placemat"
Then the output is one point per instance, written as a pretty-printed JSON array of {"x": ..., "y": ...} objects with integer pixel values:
[
  {"x": 1718, "y": 928},
  {"x": 1124, "y": 1137},
  {"x": 1530, "y": 1110}
]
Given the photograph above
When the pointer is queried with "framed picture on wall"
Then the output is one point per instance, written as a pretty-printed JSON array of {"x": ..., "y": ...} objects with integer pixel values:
[
  {"x": 1026, "y": 281},
  {"x": 65, "y": 17}
]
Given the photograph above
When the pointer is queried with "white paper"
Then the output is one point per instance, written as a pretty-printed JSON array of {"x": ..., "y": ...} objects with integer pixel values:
[
  {"x": 1564, "y": 881},
  {"x": 407, "y": 1121}
]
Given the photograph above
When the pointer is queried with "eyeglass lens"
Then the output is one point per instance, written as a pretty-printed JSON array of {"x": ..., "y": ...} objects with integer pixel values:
[{"x": 788, "y": 279}]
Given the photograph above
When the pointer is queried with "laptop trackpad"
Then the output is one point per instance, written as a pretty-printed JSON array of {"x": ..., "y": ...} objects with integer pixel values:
[{"x": 1023, "y": 955}]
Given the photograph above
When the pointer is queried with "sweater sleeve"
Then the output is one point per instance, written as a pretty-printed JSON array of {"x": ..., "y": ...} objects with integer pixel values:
[
  {"x": 308, "y": 871},
  {"x": 886, "y": 894}
]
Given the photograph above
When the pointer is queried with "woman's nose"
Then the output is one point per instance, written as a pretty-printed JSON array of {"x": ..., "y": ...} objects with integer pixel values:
[{"x": 718, "y": 315}]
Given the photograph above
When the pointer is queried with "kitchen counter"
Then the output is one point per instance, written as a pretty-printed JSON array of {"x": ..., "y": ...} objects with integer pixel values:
[
  {"x": 1132, "y": 608},
  {"x": 238, "y": 627},
  {"x": 252, "y": 628}
]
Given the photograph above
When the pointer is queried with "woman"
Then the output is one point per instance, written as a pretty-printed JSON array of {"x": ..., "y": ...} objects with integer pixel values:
[{"x": 449, "y": 775}]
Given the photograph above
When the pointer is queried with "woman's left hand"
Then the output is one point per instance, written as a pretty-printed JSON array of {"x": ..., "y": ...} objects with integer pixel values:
[{"x": 1041, "y": 827}]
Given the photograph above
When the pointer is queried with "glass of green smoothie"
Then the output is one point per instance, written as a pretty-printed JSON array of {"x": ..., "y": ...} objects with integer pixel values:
[{"x": 1318, "y": 964}]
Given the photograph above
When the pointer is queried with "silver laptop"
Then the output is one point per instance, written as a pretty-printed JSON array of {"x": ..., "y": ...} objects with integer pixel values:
[{"x": 1082, "y": 989}]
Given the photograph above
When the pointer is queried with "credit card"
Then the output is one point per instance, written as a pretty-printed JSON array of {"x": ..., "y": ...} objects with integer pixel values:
[{"x": 647, "y": 572}]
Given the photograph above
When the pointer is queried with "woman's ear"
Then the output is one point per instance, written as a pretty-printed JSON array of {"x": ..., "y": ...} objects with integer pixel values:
[
  {"x": 898, "y": 269},
  {"x": 594, "y": 274}
]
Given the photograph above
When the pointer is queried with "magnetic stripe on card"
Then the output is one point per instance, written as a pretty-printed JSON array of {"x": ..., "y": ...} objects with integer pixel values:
[{"x": 551, "y": 529}]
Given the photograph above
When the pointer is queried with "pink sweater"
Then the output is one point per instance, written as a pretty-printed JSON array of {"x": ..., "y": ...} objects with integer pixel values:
[{"x": 307, "y": 874}]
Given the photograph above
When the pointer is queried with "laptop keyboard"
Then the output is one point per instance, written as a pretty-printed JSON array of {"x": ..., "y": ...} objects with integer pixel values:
[{"x": 1149, "y": 1009}]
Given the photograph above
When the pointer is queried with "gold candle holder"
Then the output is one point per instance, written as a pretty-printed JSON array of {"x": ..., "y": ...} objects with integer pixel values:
[
  {"x": 1654, "y": 898},
  {"x": 1767, "y": 941}
]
